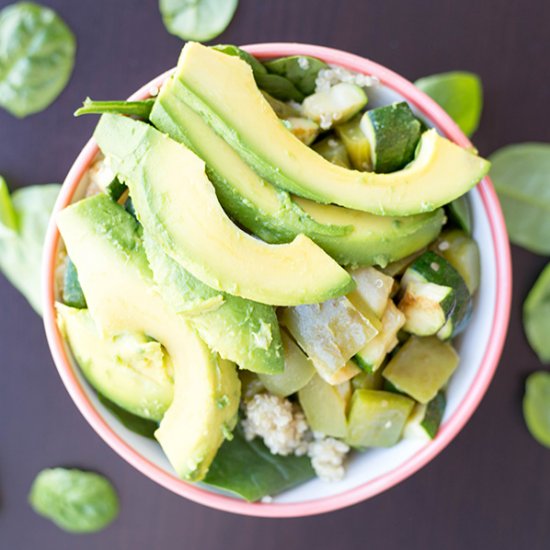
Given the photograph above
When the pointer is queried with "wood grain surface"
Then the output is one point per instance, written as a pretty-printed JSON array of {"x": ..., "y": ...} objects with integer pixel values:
[{"x": 490, "y": 489}]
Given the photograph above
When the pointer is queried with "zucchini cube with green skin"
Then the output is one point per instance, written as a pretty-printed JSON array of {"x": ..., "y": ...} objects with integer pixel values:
[
  {"x": 367, "y": 380},
  {"x": 337, "y": 104},
  {"x": 356, "y": 143},
  {"x": 393, "y": 133},
  {"x": 422, "y": 367},
  {"x": 425, "y": 420},
  {"x": 372, "y": 355},
  {"x": 282, "y": 108},
  {"x": 377, "y": 418},
  {"x": 372, "y": 291},
  {"x": 303, "y": 128},
  {"x": 324, "y": 407},
  {"x": 330, "y": 333},
  {"x": 462, "y": 252},
  {"x": 433, "y": 268},
  {"x": 426, "y": 307},
  {"x": 298, "y": 370},
  {"x": 333, "y": 150}
]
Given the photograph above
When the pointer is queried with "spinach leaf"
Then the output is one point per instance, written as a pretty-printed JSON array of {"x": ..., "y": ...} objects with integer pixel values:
[
  {"x": 521, "y": 174},
  {"x": 301, "y": 70},
  {"x": 248, "y": 469},
  {"x": 76, "y": 501},
  {"x": 199, "y": 20},
  {"x": 73, "y": 295},
  {"x": 37, "y": 52},
  {"x": 536, "y": 406},
  {"x": 140, "y": 109},
  {"x": 460, "y": 212},
  {"x": 134, "y": 423},
  {"x": 460, "y": 93},
  {"x": 277, "y": 86},
  {"x": 21, "y": 250},
  {"x": 536, "y": 316}
]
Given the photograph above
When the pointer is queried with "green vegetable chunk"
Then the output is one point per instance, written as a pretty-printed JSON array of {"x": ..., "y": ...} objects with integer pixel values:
[
  {"x": 460, "y": 212},
  {"x": 333, "y": 149},
  {"x": 72, "y": 291},
  {"x": 301, "y": 70},
  {"x": 21, "y": 251},
  {"x": 139, "y": 109},
  {"x": 37, "y": 52},
  {"x": 377, "y": 418},
  {"x": 521, "y": 174},
  {"x": 76, "y": 501},
  {"x": 249, "y": 470},
  {"x": 460, "y": 93},
  {"x": 8, "y": 217},
  {"x": 116, "y": 189},
  {"x": 421, "y": 367},
  {"x": 536, "y": 316},
  {"x": 393, "y": 133},
  {"x": 356, "y": 143},
  {"x": 536, "y": 406},
  {"x": 134, "y": 423},
  {"x": 425, "y": 420},
  {"x": 199, "y": 20}
]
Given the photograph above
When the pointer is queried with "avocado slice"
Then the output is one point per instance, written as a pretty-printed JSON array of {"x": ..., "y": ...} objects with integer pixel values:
[
  {"x": 265, "y": 210},
  {"x": 239, "y": 330},
  {"x": 222, "y": 90},
  {"x": 129, "y": 369},
  {"x": 171, "y": 195},
  {"x": 105, "y": 244}
]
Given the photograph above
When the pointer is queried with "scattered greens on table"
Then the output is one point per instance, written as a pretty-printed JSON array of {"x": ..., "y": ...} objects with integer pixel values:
[
  {"x": 536, "y": 316},
  {"x": 459, "y": 93},
  {"x": 521, "y": 175},
  {"x": 536, "y": 406},
  {"x": 24, "y": 218},
  {"x": 199, "y": 20},
  {"x": 37, "y": 52},
  {"x": 75, "y": 500}
]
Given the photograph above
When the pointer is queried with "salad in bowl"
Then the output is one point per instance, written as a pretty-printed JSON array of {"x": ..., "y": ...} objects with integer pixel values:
[{"x": 263, "y": 272}]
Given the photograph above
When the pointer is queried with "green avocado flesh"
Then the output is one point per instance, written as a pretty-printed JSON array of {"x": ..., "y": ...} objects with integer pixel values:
[
  {"x": 128, "y": 368},
  {"x": 222, "y": 90},
  {"x": 105, "y": 244},
  {"x": 265, "y": 210},
  {"x": 241, "y": 331},
  {"x": 167, "y": 182}
]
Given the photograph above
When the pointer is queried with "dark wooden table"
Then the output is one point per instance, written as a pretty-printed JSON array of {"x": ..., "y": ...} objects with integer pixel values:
[{"x": 490, "y": 489}]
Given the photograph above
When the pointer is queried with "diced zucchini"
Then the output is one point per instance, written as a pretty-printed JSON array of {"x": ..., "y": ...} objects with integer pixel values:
[
  {"x": 73, "y": 295},
  {"x": 298, "y": 370},
  {"x": 460, "y": 212},
  {"x": 425, "y": 419},
  {"x": 281, "y": 108},
  {"x": 462, "y": 252},
  {"x": 367, "y": 380},
  {"x": 330, "y": 333},
  {"x": 356, "y": 143},
  {"x": 399, "y": 266},
  {"x": 371, "y": 356},
  {"x": 421, "y": 367},
  {"x": 433, "y": 268},
  {"x": 393, "y": 133},
  {"x": 324, "y": 407},
  {"x": 338, "y": 104},
  {"x": 347, "y": 372},
  {"x": 426, "y": 307},
  {"x": 372, "y": 291},
  {"x": 303, "y": 128},
  {"x": 377, "y": 418},
  {"x": 333, "y": 150},
  {"x": 345, "y": 390}
]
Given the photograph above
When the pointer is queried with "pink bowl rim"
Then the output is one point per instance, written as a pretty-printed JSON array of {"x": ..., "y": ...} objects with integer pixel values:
[{"x": 383, "y": 482}]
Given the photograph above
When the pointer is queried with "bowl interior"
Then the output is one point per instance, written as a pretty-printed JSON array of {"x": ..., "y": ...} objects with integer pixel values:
[{"x": 370, "y": 472}]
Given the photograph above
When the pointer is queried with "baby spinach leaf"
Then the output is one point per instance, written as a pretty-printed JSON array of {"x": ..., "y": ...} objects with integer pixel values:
[
  {"x": 536, "y": 316},
  {"x": 248, "y": 469},
  {"x": 134, "y": 423},
  {"x": 199, "y": 20},
  {"x": 73, "y": 295},
  {"x": 255, "y": 65},
  {"x": 140, "y": 109},
  {"x": 521, "y": 174},
  {"x": 460, "y": 93},
  {"x": 37, "y": 52},
  {"x": 301, "y": 70},
  {"x": 76, "y": 501},
  {"x": 21, "y": 250},
  {"x": 536, "y": 406},
  {"x": 460, "y": 212}
]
